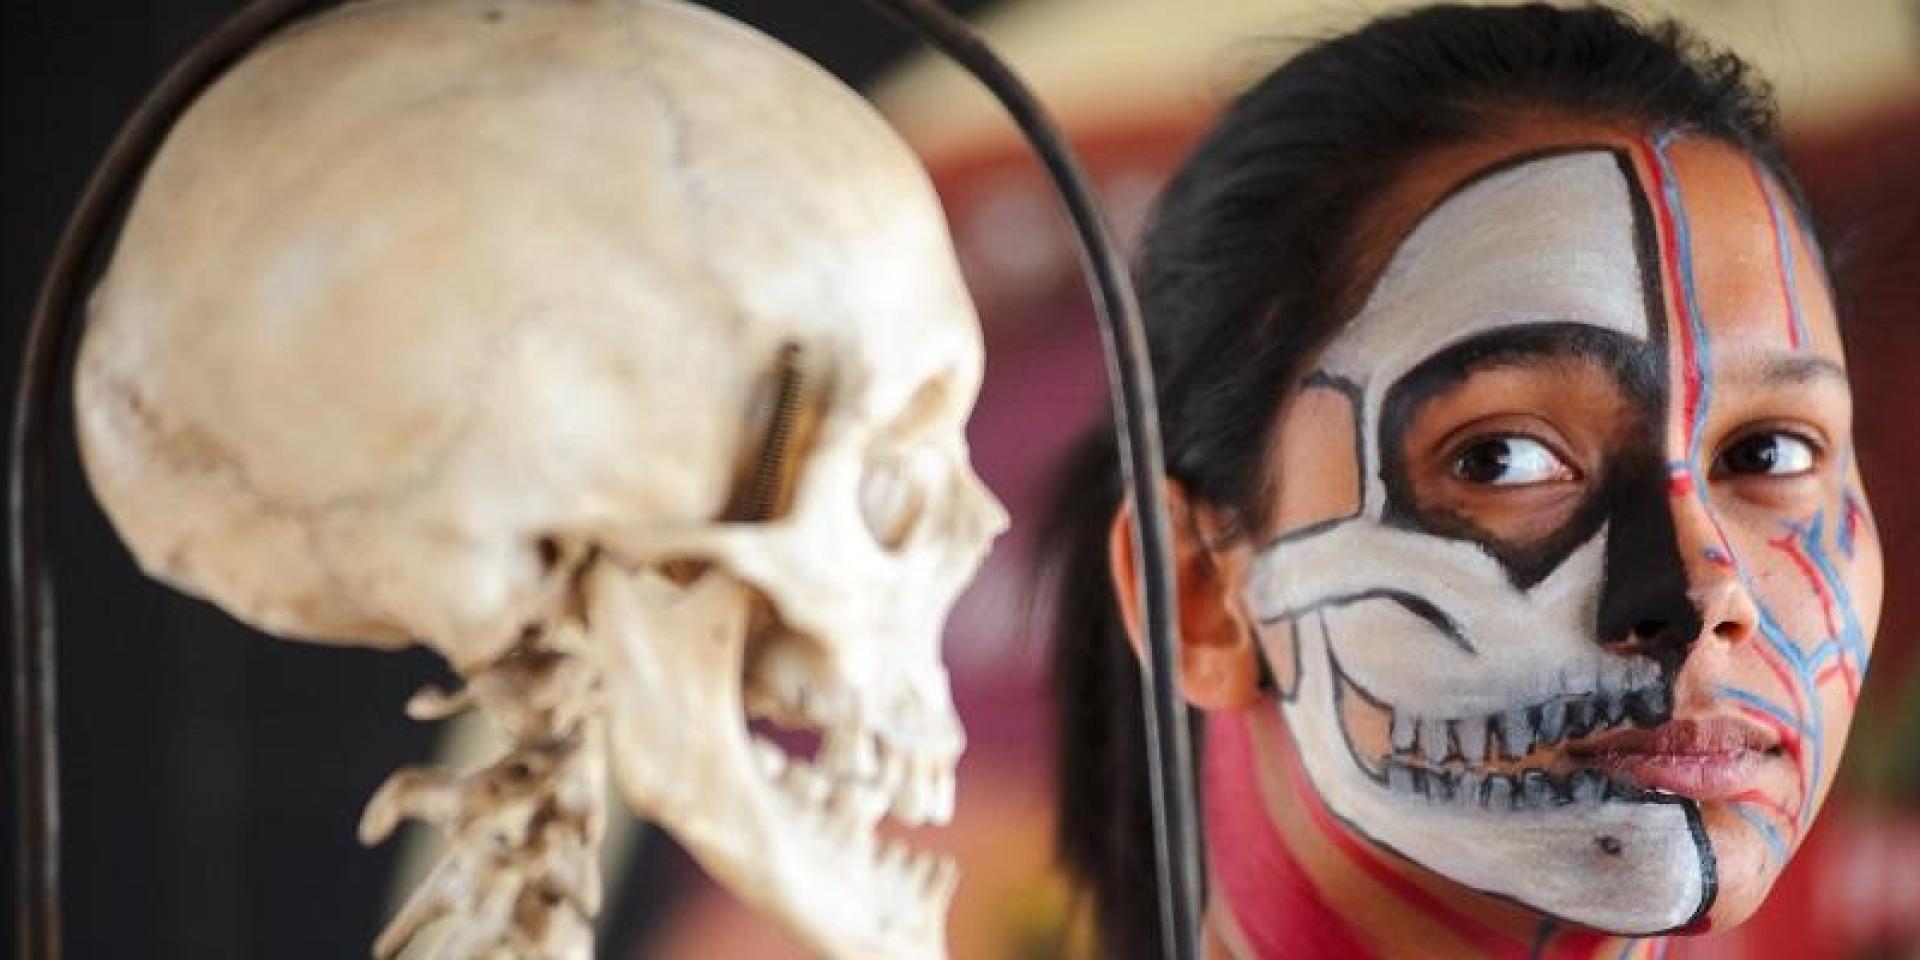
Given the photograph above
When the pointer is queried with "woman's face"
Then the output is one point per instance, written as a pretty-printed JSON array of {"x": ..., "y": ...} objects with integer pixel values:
[{"x": 1571, "y": 583}]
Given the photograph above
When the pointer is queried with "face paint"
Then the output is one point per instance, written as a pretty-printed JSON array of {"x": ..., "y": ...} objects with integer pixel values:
[
  {"x": 1754, "y": 333},
  {"x": 1480, "y": 644}
]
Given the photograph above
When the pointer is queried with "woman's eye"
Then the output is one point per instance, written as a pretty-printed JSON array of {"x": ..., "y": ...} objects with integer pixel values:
[
  {"x": 1769, "y": 454},
  {"x": 1509, "y": 462}
]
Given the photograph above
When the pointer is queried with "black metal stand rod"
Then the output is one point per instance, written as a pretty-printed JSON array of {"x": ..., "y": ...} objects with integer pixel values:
[
  {"x": 1137, "y": 426},
  {"x": 52, "y": 334}
]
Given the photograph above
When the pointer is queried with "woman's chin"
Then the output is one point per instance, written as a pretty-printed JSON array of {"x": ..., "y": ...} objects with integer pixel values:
[{"x": 1745, "y": 862}]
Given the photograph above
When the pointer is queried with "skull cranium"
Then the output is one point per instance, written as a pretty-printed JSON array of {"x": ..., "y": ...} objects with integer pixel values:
[{"x": 442, "y": 320}]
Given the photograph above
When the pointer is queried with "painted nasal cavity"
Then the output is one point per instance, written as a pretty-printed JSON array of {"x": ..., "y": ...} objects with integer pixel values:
[
  {"x": 1647, "y": 599},
  {"x": 1673, "y": 569}
]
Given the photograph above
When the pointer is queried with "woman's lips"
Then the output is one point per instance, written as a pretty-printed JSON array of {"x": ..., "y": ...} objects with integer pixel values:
[{"x": 1705, "y": 758}]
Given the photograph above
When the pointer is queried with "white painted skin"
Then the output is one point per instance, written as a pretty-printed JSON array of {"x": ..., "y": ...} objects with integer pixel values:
[
  {"x": 440, "y": 320},
  {"x": 1548, "y": 240}
]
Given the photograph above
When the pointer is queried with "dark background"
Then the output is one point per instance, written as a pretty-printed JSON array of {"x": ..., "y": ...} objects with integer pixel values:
[{"x": 212, "y": 778}]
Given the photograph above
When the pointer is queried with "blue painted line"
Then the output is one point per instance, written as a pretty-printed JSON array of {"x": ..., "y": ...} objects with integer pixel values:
[
  {"x": 1766, "y": 829},
  {"x": 1764, "y": 705},
  {"x": 1850, "y": 510},
  {"x": 1852, "y": 636},
  {"x": 1812, "y": 729},
  {"x": 1683, "y": 245},
  {"x": 1785, "y": 244},
  {"x": 1775, "y": 634}
]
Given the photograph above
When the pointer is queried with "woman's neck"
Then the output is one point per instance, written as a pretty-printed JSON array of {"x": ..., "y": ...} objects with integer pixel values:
[{"x": 1290, "y": 880}]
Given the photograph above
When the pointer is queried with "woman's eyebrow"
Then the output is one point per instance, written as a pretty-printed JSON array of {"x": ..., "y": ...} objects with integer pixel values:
[{"x": 1768, "y": 367}]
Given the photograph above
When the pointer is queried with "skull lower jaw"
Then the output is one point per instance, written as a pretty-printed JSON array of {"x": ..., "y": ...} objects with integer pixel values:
[{"x": 794, "y": 836}]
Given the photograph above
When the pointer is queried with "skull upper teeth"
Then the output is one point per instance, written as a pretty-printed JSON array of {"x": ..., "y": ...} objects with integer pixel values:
[
  {"x": 872, "y": 780},
  {"x": 851, "y": 753},
  {"x": 857, "y": 777}
]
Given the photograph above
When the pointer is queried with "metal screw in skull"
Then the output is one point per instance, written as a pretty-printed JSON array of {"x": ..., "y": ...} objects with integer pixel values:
[{"x": 618, "y": 354}]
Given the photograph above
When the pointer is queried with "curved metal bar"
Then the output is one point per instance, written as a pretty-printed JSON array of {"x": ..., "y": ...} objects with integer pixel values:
[
  {"x": 51, "y": 337},
  {"x": 1137, "y": 426}
]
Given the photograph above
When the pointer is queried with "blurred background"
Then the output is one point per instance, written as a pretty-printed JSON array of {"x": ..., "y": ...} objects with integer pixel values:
[{"x": 213, "y": 777}]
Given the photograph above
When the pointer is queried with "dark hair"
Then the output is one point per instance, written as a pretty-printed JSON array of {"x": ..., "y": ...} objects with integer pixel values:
[{"x": 1245, "y": 273}]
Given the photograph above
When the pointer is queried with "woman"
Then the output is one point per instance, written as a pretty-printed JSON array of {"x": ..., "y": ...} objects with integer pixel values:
[{"x": 1526, "y": 579}]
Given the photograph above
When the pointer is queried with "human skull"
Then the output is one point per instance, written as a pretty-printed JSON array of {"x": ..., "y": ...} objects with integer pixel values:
[{"x": 438, "y": 321}]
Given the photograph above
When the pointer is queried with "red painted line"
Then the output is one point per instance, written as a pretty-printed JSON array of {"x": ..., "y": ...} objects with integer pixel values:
[
  {"x": 1779, "y": 262},
  {"x": 1840, "y": 668},
  {"x": 1790, "y": 545},
  {"x": 1771, "y": 660},
  {"x": 1773, "y": 808},
  {"x": 1669, "y": 260},
  {"x": 1680, "y": 485},
  {"x": 1487, "y": 940},
  {"x": 1857, "y": 520},
  {"x": 1789, "y": 737}
]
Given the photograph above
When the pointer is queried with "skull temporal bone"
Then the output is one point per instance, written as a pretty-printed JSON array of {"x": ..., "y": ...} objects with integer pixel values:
[{"x": 436, "y": 319}]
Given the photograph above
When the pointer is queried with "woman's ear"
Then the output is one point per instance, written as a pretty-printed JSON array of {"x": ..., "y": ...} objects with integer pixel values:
[{"x": 1219, "y": 659}]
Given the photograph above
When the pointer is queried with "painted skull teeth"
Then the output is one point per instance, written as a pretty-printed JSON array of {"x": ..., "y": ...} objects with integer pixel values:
[
  {"x": 1483, "y": 759},
  {"x": 1533, "y": 788},
  {"x": 1512, "y": 734}
]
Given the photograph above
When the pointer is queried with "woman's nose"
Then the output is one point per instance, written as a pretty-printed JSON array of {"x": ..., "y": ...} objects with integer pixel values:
[
  {"x": 1672, "y": 577},
  {"x": 1717, "y": 587}
]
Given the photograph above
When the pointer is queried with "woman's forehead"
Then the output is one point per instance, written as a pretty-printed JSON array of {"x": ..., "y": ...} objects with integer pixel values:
[
  {"x": 1553, "y": 237},
  {"x": 1571, "y": 222},
  {"x": 1740, "y": 262}
]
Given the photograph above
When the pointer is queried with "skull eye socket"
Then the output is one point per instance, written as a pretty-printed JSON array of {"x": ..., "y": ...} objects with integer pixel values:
[{"x": 892, "y": 497}]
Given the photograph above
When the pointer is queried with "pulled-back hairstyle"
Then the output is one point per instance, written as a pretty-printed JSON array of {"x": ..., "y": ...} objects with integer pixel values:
[{"x": 1245, "y": 274}]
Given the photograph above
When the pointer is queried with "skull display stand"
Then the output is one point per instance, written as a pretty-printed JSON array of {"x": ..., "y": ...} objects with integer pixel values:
[
  {"x": 637, "y": 486},
  {"x": 633, "y": 483}
]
